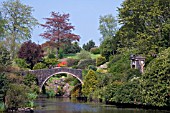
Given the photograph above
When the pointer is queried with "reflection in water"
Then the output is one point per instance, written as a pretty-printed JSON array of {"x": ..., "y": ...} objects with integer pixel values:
[{"x": 65, "y": 105}]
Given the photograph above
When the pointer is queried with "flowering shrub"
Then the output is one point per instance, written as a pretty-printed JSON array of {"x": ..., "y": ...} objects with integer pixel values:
[{"x": 62, "y": 64}]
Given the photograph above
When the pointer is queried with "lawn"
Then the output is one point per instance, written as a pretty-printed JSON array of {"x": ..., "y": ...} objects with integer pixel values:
[{"x": 93, "y": 56}]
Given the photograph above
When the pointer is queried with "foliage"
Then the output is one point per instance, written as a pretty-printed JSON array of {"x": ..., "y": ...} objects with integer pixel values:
[
  {"x": 127, "y": 93},
  {"x": 51, "y": 56},
  {"x": 2, "y": 24},
  {"x": 84, "y": 55},
  {"x": 92, "y": 67},
  {"x": 84, "y": 63},
  {"x": 31, "y": 98},
  {"x": 19, "y": 23},
  {"x": 95, "y": 50},
  {"x": 31, "y": 52},
  {"x": 107, "y": 26},
  {"x": 108, "y": 47},
  {"x": 30, "y": 80},
  {"x": 21, "y": 63},
  {"x": 16, "y": 96},
  {"x": 4, "y": 82},
  {"x": 108, "y": 29},
  {"x": 89, "y": 45},
  {"x": 2, "y": 106},
  {"x": 72, "y": 48},
  {"x": 39, "y": 66},
  {"x": 50, "y": 61},
  {"x": 51, "y": 93},
  {"x": 119, "y": 66},
  {"x": 90, "y": 83},
  {"x": 60, "y": 54},
  {"x": 100, "y": 60},
  {"x": 4, "y": 57},
  {"x": 58, "y": 29},
  {"x": 155, "y": 81},
  {"x": 72, "y": 62},
  {"x": 145, "y": 25}
]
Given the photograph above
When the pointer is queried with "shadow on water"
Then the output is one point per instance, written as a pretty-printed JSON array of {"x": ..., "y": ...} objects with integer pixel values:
[{"x": 67, "y": 105}]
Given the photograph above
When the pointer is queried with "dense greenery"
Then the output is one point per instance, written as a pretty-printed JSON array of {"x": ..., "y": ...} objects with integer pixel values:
[
  {"x": 145, "y": 25},
  {"x": 155, "y": 82},
  {"x": 144, "y": 31},
  {"x": 89, "y": 45}
]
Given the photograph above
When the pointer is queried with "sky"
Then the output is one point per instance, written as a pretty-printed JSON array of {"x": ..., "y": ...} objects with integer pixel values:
[{"x": 84, "y": 15}]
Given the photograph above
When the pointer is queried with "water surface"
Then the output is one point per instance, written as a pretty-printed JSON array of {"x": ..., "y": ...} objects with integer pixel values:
[{"x": 66, "y": 105}]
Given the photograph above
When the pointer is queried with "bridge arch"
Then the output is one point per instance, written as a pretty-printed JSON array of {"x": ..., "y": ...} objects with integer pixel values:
[
  {"x": 43, "y": 75},
  {"x": 80, "y": 80}
]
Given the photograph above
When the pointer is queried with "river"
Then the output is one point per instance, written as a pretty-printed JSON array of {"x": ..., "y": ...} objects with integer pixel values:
[{"x": 66, "y": 105}]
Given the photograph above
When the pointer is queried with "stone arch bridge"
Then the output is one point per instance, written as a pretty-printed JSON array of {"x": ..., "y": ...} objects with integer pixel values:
[{"x": 43, "y": 75}]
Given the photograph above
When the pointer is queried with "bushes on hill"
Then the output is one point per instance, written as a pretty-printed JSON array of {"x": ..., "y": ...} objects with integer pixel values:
[
  {"x": 84, "y": 55},
  {"x": 95, "y": 50},
  {"x": 72, "y": 62},
  {"x": 84, "y": 63},
  {"x": 39, "y": 66},
  {"x": 155, "y": 81},
  {"x": 100, "y": 60}
]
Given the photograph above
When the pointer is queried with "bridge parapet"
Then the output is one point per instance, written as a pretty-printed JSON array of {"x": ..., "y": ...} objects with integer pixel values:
[{"x": 44, "y": 74}]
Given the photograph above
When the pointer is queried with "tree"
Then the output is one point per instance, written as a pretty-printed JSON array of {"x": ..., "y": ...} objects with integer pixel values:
[
  {"x": 4, "y": 56},
  {"x": 90, "y": 83},
  {"x": 108, "y": 29},
  {"x": 31, "y": 52},
  {"x": 72, "y": 48},
  {"x": 145, "y": 25},
  {"x": 19, "y": 23},
  {"x": 58, "y": 30},
  {"x": 2, "y": 23},
  {"x": 155, "y": 82},
  {"x": 108, "y": 26},
  {"x": 89, "y": 45}
]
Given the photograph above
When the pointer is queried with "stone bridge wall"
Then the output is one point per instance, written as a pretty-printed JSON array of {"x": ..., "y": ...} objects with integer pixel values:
[{"x": 44, "y": 74}]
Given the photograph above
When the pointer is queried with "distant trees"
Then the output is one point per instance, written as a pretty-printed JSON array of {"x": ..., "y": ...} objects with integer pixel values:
[
  {"x": 58, "y": 30},
  {"x": 71, "y": 48},
  {"x": 19, "y": 24},
  {"x": 89, "y": 45},
  {"x": 31, "y": 52}
]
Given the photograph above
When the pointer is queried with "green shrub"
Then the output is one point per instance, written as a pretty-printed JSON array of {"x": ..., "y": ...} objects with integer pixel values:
[
  {"x": 84, "y": 55},
  {"x": 30, "y": 80},
  {"x": 51, "y": 56},
  {"x": 51, "y": 93},
  {"x": 156, "y": 81},
  {"x": 16, "y": 96},
  {"x": 92, "y": 67},
  {"x": 95, "y": 50},
  {"x": 72, "y": 62},
  {"x": 2, "y": 106},
  {"x": 84, "y": 63},
  {"x": 39, "y": 66},
  {"x": 50, "y": 61},
  {"x": 21, "y": 63},
  {"x": 60, "y": 54},
  {"x": 31, "y": 98},
  {"x": 90, "y": 83},
  {"x": 100, "y": 60}
]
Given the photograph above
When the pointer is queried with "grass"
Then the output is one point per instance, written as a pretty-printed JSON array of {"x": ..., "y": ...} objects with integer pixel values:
[{"x": 93, "y": 56}]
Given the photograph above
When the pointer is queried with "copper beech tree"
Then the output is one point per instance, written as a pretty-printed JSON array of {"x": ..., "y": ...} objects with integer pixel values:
[{"x": 58, "y": 30}]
